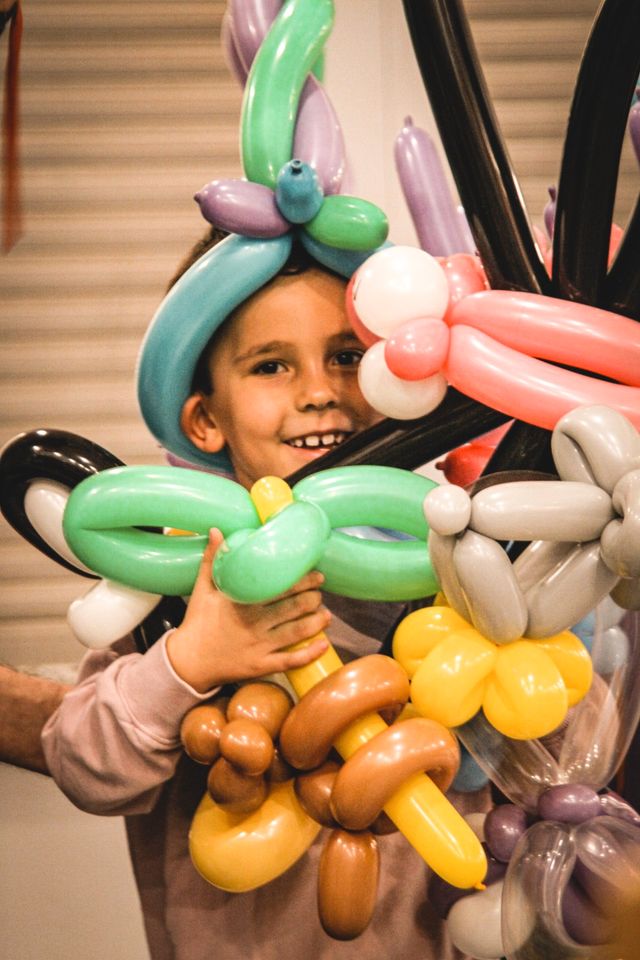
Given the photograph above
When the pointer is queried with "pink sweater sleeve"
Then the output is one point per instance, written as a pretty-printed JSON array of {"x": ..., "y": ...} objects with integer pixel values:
[{"x": 114, "y": 739}]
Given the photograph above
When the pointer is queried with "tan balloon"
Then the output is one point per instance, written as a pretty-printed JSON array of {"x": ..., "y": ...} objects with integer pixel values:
[
  {"x": 370, "y": 683},
  {"x": 247, "y": 745},
  {"x": 234, "y": 789},
  {"x": 313, "y": 790},
  {"x": 263, "y": 701},
  {"x": 347, "y": 883},
  {"x": 200, "y": 732},
  {"x": 372, "y": 775}
]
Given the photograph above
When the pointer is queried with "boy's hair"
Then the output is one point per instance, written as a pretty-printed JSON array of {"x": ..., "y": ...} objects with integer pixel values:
[{"x": 299, "y": 261}]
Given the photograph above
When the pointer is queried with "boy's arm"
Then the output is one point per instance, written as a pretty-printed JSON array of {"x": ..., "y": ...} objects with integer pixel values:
[
  {"x": 114, "y": 740},
  {"x": 26, "y": 703}
]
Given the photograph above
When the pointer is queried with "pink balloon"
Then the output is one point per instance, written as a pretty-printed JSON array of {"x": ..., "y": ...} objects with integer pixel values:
[
  {"x": 417, "y": 349},
  {"x": 465, "y": 275},
  {"x": 241, "y": 206},
  {"x": 558, "y": 330},
  {"x": 526, "y": 388}
]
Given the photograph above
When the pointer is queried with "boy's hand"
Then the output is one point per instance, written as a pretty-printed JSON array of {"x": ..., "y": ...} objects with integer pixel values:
[{"x": 220, "y": 641}]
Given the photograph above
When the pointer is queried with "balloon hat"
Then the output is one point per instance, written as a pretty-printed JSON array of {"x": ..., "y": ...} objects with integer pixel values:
[{"x": 285, "y": 114}]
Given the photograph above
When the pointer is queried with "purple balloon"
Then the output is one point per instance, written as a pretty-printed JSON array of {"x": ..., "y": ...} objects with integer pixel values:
[
  {"x": 582, "y": 920},
  {"x": 612, "y": 805},
  {"x": 250, "y": 21},
  {"x": 503, "y": 827},
  {"x": 569, "y": 803},
  {"x": 634, "y": 128},
  {"x": 549, "y": 214},
  {"x": 426, "y": 191},
  {"x": 241, "y": 206},
  {"x": 231, "y": 54},
  {"x": 318, "y": 136}
]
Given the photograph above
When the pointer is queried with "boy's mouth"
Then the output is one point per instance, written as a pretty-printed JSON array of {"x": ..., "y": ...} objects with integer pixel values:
[{"x": 319, "y": 441}]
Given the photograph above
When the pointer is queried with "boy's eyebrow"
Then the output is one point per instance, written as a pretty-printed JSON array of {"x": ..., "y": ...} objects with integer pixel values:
[{"x": 346, "y": 337}]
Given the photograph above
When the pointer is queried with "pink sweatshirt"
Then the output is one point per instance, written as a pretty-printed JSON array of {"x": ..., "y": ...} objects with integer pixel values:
[{"x": 113, "y": 748}]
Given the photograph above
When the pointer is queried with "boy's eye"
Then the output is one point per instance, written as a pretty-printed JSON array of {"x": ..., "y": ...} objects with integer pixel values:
[
  {"x": 349, "y": 358},
  {"x": 269, "y": 367}
]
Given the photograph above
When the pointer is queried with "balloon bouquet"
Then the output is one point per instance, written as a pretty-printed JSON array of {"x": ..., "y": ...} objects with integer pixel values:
[{"x": 493, "y": 659}]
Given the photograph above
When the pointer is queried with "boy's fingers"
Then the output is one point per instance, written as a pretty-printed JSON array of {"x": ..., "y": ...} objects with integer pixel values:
[
  {"x": 292, "y": 608},
  {"x": 205, "y": 577},
  {"x": 311, "y": 581},
  {"x": 302, "y": 628},
  {"x": 290, "y": 659}
]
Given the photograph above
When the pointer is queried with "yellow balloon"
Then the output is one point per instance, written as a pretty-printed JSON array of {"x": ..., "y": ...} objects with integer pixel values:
[
  {"x": 418, "y": 634},
  {"x": 239, "y": 852},
  {"x": 572, "y": 659},
  {"x": 449, "y": 685},
  {"x": 525, "y": 698}
]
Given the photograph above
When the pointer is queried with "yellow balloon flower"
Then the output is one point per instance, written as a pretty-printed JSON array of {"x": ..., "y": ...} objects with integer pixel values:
[{"x": 525, "y": 688}]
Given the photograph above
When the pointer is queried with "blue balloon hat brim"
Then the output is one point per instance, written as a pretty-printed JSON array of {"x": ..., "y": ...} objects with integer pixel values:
[{"x": 196, "y": 306}]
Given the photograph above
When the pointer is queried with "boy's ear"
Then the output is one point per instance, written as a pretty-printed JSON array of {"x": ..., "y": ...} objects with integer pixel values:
[{"x": 198, "y": 425}]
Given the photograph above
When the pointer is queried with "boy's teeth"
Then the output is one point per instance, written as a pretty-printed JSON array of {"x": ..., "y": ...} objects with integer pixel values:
[{"x": 314, "y": 440}]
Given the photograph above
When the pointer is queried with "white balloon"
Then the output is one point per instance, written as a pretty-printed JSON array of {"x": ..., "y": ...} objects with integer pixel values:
[
  {"x": 399, "y": 284},
  {"x": 393, "y": 397},
  {"x": 474, "y": 923},
  {"x": 44, "y": 504},
  {"x": 108, "y": 612}
]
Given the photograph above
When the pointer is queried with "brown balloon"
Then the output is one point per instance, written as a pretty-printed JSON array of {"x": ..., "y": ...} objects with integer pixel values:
[
  {"x": 279, "y": 770},
  {"x": 371, "y": 776},
  {"x": 247, "y": 745},
  {"x": 368, "y": 684},
  {"x": 347, "y": 883},
  {"x": 263, "y": 701},
  {"x": 234, "y": 789},
  {"x": 200, "y": 732},
  {"x": 313, "y": 790}
]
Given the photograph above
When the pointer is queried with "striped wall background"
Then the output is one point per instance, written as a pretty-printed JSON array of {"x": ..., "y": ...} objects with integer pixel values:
[{"x": 128, "y": 108}]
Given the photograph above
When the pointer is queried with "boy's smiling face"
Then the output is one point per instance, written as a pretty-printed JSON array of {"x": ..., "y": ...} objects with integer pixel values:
[{"x": 285, "y": 380}]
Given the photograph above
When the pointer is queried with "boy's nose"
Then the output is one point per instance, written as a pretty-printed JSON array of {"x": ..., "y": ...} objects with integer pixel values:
[{"x": 317, "y": 392}]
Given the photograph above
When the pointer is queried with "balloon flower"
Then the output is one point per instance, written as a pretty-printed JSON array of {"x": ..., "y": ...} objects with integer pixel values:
[
  {"x": 525, "y": 688},
  {"x": 583, "y": 528},
  {"x": 563, "y": 877},
  {"x": 492, "y": 345}
]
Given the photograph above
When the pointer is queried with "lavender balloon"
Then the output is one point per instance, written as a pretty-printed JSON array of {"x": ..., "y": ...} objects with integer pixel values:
[
  {"x": 241, "y": 206},
  {"x": 234, "y": 61},
  {"x": 318, "y": 138},
  {"x": 426, "y": 191},
  {"x": 503, "y": 827},
  {"x": 250, "y": 21},
  {"x": 549, "y": 214},
  {"x": 634, "y": 128},
  {"x": 569, "y": 803}
]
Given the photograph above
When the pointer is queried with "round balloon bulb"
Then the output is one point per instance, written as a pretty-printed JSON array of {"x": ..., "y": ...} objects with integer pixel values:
[
  {"x": 418, "y": 349},
  {"x": 569, "y": 803},
  {"x": 503, "y": 828},
  {"x": 298, "y": 192},
  {"x": 397, "y": 284},
  {"x": 400, "y": 399}
]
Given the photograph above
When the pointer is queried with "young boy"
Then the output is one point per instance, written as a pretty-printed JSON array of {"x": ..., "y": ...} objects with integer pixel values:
[{"x": 277, "y": 387}]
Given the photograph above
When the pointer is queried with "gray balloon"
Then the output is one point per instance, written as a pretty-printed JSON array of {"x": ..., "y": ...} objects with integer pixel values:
[
  {"x": 441, "y": 554},
  {"x": 493, "y": 595},
  {"x": 595, "y": 445},
  {"x": 620, "y": 541},
  {"x": 447, "y": 509},
  {"x": 626, "y": 593},
  {"x": 539, "y": 557},
  {"x": 551, "y": 510},
  {"x": 569, "y": 591}
]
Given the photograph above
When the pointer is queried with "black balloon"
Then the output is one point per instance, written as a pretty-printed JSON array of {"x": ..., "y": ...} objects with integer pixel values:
[
  {"x": 46, "y": 455},
  {"x": 68, "y": 459},
  {"x": 475, "y": 150},
  {"x": 408, "y": 444},
  {"x": 595, "y": 133}
]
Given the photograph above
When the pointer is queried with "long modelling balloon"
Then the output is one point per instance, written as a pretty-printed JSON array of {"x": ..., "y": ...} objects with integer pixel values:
[
  {"x": 486, "y": 182},
  {"x": 586, "y": 189}
]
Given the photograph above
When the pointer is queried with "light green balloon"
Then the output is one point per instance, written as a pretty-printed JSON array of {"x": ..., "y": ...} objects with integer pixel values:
[
  {"x": 104, "y": 513},
  {"x": 285, "y": 58},
  {"x": 256, "y": 566},
  {"x": 349, "y": 223}
]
